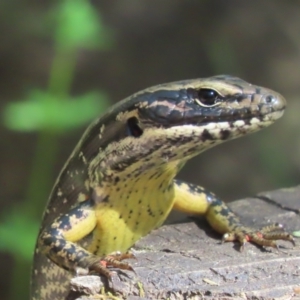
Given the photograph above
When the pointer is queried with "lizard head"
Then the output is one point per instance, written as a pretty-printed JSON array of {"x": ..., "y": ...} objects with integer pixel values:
[
  {"x": 176, "y": 121},
  {"x": 211, "y": 101}
]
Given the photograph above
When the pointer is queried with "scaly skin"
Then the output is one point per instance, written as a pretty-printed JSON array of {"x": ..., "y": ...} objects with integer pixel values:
[{"x": 119, "y": 183}]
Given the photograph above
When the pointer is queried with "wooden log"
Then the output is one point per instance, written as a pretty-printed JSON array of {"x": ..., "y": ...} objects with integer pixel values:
[{"x": 188, "y": 261}]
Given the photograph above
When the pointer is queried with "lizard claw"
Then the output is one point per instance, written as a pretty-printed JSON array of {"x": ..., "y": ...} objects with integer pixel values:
[
  {"x": 266, "y": 236},
  {"x": 112, "y": 260}
]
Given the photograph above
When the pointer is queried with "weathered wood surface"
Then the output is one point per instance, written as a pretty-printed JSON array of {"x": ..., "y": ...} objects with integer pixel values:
[{"x": 184, "y": 262}]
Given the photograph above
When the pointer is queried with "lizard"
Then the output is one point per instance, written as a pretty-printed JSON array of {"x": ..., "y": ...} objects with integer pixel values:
[{"x": 119, "y": 182}]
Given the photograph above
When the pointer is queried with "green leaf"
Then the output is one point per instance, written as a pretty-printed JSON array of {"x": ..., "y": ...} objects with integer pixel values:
[
  {"x": 42, "y": 111},
  {"x": 79, "y": 25},
  {"x": 18, "y": 234}
]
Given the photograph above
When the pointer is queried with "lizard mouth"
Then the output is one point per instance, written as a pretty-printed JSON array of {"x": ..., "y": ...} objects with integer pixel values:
[{"x": 226, "y": 130}]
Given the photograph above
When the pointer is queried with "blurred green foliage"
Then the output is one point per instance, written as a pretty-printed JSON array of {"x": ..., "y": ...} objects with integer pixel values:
[
  {"x": 75, "y": 25},
  {"x": 17, "y": 224},
  {"x": 44, "y": 111}
]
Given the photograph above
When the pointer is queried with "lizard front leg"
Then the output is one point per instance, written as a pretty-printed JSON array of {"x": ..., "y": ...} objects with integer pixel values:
[
  {"x": 59, "y": 242},
  {"x": 195, "y": 200}
]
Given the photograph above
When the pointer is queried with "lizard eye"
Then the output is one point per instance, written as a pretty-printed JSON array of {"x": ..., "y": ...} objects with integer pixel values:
[
  {"x": 208, "y": 97},
  {"x": 133, "y": 128},
  {"x": 205, "y": 97}
]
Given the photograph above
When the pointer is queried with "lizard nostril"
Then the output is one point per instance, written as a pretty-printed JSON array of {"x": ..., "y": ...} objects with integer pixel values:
[{"x": 270, "y": 99}]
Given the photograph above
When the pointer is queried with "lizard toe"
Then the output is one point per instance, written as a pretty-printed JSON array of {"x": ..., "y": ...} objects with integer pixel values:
[{"x": 266, "y": 236}]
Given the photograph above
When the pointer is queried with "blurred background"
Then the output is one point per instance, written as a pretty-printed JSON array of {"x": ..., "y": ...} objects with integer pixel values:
[{"x": 63, "y": 62}]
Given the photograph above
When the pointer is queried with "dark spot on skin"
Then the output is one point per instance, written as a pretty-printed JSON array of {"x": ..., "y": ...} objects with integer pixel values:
[
  {"x": 140, "y": 201},
  {"x": 247, "y": 121},
  {"x": 239, "y": 98},
  {"x": 152, "y": 176},
  {"x": 120, "y": 217},
  {"x": 130, "y": 212},
  {"x": 150, "y": 212},
  {"x": 118, "y": 189},
  {"x": 115, "y": 238},
  {"x": 225, "y": 134},
  {"x": 137, "y": 223},
  {"x": 158, "y": 175},
  {"x": 106, "y": 199},
  {"x": 97, "y": 247},
  {"x": 117, "y": 179},
  {"x": 206, "y": 135}
]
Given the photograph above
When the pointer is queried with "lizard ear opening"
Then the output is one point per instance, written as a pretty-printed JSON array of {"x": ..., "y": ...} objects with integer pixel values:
[{"x": 133, "y": 128}]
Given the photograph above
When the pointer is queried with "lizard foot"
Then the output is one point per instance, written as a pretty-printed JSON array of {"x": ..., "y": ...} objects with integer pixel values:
[
  {"x": 266, "y": 236},
  {"x": 112, "y": 260}
]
